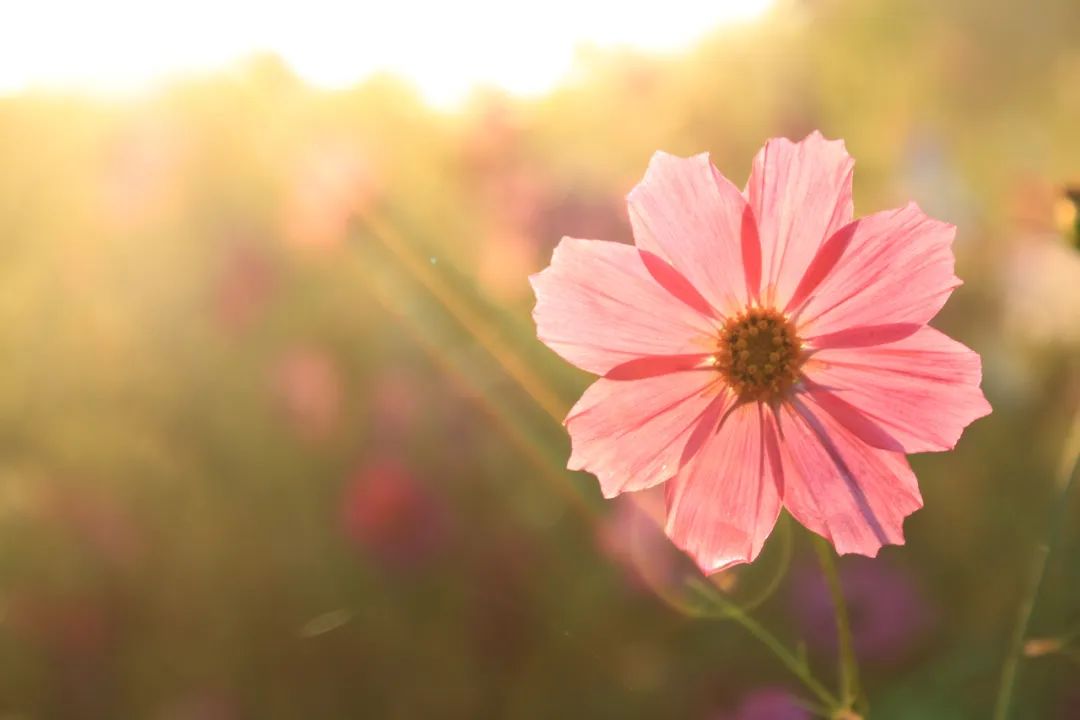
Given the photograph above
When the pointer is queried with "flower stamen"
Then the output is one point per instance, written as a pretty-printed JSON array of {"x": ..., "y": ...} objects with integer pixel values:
[{"x": 759, "y": 354}]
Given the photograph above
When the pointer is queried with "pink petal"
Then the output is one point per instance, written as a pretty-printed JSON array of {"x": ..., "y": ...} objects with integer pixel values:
[
  {"x": 724, "y": 503},
  {"x": 892, "y": 267},
  {"x": 686, "y": 212},
  {"x": 835, "y": 484},
  {"x": 632, "y": 434},
  {"x": 801, "y": 195},
  {"x": 921, "y": 390},
  {"x": 599, "y": 306}
]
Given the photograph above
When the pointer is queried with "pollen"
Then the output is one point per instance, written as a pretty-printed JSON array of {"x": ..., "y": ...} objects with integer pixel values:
[{"x": 759, "y": 354}]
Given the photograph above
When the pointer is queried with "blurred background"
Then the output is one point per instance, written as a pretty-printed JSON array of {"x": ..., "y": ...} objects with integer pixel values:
[{"x": 277, "y": 439}]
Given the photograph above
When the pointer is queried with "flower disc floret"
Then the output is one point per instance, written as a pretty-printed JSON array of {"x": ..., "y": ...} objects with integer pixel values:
[{"x": 759, "y": 354}]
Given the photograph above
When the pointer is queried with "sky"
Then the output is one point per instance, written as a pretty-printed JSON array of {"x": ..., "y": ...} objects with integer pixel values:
[{"x": 444, "y": 48}]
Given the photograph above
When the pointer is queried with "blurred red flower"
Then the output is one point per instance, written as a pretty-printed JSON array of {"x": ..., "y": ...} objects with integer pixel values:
[{"x": 392, "y": 516}]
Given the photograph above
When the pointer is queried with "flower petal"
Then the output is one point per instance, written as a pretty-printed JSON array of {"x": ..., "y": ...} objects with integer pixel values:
[
  {"x": 631, "y": 434},
  {"x": 801, "y": 195},
  {"x": 599, "y": 306},
  {"x": 892, "y": 267},
  {"x": 686, "y": 212},
  {"x": 724, "y": 503},
  {"x": 921, "y": 390},
  {"x": 855, "y": 495}
]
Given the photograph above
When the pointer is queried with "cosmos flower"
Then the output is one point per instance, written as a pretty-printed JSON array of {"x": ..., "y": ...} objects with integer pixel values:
[{"x": 762, "y": 349}]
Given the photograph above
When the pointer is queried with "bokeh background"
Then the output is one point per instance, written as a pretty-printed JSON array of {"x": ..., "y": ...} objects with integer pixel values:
[{"x": 277, "y": 439}]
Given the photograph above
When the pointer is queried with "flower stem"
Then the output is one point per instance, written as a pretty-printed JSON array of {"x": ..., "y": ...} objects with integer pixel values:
[
  {"x": 796, "y": 664},
  {"x": 1070, "y": 468},
  {"x": 849, "y": 668}
]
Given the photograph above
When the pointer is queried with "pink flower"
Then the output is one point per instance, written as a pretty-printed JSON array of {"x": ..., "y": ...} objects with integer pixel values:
[{"x": 761, "y": 349}]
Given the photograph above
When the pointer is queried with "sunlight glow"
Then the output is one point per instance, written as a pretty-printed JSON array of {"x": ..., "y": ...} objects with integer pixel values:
[{"x": 445, "y": 49}]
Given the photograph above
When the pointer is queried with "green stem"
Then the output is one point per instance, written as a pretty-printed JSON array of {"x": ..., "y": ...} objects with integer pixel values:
[
  {"x": 1070, "y": 468},
  {"x": 849, "y": 668},
  {"x": 795, "y": 664}
]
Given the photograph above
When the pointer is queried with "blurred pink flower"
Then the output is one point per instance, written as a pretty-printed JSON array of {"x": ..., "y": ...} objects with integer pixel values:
[
  {"x": 140, "y": 171},
  {"x": 1042, "y": 272},
  {"x": 632, "y": 535},
  {"x": 330, "y": 183},
  {"x": 395, "y": 402},
  {"x": 62, "y": 624},
  {"x": 507, "y": 257},
  {"x": 243, "y": 287},
  {"x": 308, "y": 384},
  {"x": 583, "y": 213},
  {"x": 387, "y": 512},
  {"x": 88, "y": 518},
  {"x": 768, "y": 703},
  {"x": 889, "y": 616},
  {"x": 77, "y": 636},
  {"x": 201, "y": 705},
  {"x": 761, "y": 349}
]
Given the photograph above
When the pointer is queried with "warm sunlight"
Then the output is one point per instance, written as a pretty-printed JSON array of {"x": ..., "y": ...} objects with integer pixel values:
[
  {"x": 444, "y": 48},
  {"x": 403, "y": 359}
]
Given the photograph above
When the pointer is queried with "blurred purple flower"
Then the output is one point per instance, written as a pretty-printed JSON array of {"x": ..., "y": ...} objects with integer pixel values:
[
  {"x": 889, "y": 616},
  {"x": 580, "y": 213},
  {"x": 768, "y": 703},
  {"x": 392, "y": 516}
]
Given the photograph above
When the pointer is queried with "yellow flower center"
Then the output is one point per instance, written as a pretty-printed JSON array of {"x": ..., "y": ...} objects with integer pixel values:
[{"x": 759, "y": 354}]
